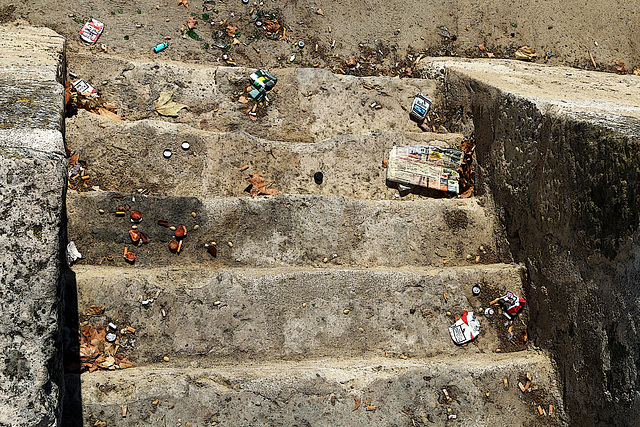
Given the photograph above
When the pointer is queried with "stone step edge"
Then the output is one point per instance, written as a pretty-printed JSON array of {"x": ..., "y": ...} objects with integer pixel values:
[
  {"x": 279, "y": 270},
  {"x": 377, "y": 366},
  {"x": 419, "y": 136}
]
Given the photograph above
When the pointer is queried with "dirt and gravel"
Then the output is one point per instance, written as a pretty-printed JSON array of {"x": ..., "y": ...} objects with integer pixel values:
[{"x": 382, "y": 37}]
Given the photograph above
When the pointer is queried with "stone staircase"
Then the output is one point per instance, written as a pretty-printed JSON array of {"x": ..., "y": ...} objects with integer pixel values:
[{"x": 327, "y": 304}]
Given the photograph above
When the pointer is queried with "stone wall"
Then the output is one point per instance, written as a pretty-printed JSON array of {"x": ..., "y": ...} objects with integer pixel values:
[
  {"x": 565, "y": 175},
  {"x": 32, "y": 185}
]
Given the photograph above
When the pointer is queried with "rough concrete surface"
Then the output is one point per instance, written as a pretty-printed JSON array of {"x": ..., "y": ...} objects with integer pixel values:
[
  {"x": 32, "y": 185},
  {"x": 266, "y": 314},
  {"x": 398, "y": 393},
  {"x": 567, "y": 182},
  {"x": 280, "y": 230},
  {"x": 127, "y": 156}
]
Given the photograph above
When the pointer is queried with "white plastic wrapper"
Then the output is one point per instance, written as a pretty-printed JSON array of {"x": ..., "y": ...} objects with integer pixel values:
[{"x": 72, "y": 253}]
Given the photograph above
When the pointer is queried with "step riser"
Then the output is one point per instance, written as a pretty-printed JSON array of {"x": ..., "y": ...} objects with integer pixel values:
[
  {"x": 127, "y": 156},
  {"x": 264, "y": 315},
  {"x": 285, "y": 230},
  {"x": 304, "y": 397}
]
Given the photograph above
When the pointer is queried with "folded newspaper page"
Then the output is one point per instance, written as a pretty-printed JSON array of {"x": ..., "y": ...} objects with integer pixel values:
[{"x": 425, "y": 166}]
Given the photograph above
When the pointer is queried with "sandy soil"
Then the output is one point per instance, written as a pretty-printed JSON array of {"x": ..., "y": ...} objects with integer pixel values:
[{"x": 384, "y": 36}]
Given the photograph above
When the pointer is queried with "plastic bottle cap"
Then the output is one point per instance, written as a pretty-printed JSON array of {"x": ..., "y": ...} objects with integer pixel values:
[
  {"x": 167, "y": 153},
  {"x": 185, "y": 145},
  {"x": 476, "y": 290}
]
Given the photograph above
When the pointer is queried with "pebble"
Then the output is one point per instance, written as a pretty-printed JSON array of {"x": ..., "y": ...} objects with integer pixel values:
[
  {"x": 304, "y": 304},
  {"x": 101, "y": 211},
  {"x": 134, "y": 227},
  {"x": 172, "y": 228},
  {"x": 346, "y": 311},
  {"x": 166, "y": 358},
  {"x": 193, "y": 214},
  {"x": 195, "y": 227},
  {"x": 361, "y": 330},
  {"x": 448, "y": 313},
  {"x": 230, "y": 244},
  {"x": 325, "y": 260}
]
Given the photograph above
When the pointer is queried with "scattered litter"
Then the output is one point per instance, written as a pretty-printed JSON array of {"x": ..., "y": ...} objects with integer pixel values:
[
  {"x": 91, "y": 31},
  {"x": 300, "y": 44},
  {"x": 72, "y": 253},
  {"x": 90, "y": 101},
  {"x": 136, "y": 216},
  {"x": 173, "y": 245},
  {"x": 212, "y": 249},
  {"x": 95, "y": 311},
  {"x": 258, "y": 186},
  {"x": 512, "y": 304},
  {"x": 620, "y": 66},
  {"x": 475, "y": 290},
  {"x": 489, "y": 312},
  {"x": 525, "y": 53},
  {"x": 166, "y": 107},
  {"x": 83, "y": 87},
  {"x": 420, "y": 108},
  {"x": 425, "y": 166},
  {"x": 163, "y": 222},
  {"x": 261, "y": 82},
  {"x": 358, "y": 401},
  {"x": 160, "y": 47},
  {"x": 465, "y": 329},
  {"x": 97, "y": 352}
]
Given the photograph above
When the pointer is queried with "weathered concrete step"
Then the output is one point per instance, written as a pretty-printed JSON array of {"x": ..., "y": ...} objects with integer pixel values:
[
  {"x": 323, "y": 392},
  {"x": 127, "y": 156},
  {"x": 310, "y": 104},
  {"x": 300, "y": 230},
  {"x": 288, "y": 313}
]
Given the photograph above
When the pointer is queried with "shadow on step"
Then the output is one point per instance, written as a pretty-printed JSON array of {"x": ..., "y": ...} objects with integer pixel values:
[{"x": 72, "y": 404}]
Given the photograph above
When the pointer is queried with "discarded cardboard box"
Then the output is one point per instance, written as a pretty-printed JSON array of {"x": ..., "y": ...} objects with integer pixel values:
[
  {"x": 425, "y": 166},
  {"x": 465, "y": 329}
]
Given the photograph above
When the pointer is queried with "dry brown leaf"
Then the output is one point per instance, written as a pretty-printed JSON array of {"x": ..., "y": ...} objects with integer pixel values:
[
  {"x": 192, "y": 22},
  {"x": 231, "y": 30},
  {"x": 243, "y": 100},
  {"x": 74, "y": 159},
  {"x": 320, "y": 12},
  {"x": 93, "y": 310},
  {"x": 252, "y": 117},
  {"x": 184, "y": 2},
  {"x": 125, "y": 363},
  {"x": 258, "y": 186},
  {"x": 106, "y": 113},
  {"x": 636, "y": 71},
  {"x": 481, "y": 47},
  {"x": 351, "y": 62},
  {"x": 620, "y": 66},
  {"x": 271, "y": 26}
]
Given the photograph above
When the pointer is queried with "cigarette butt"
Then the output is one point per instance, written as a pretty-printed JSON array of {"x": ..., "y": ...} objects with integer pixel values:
[
  {"x": 540, "y": 411},
  {"x": 86, "y": 177},
  {"x": 494, "y": 301},
  {"x": 179, "y": 246},
  {"x": 522, "y": 389},
  {"x": 119, "y": 213},
  {"x": 244, "y": 168},
  {"x": 510, "y": 328},
  {"x": 130, "y": 329},
  {"x": 527, "y": 385},
  {"x": 329, "y": 29},
  {"x": 506, "y": 383},
  {"x": 125, "y": 251},
  {"x": 341, "y": 70},
  {"x": 82, "y": 172},
  {"x": 550, "y": 409},
  {"x": 124, "y": 411},
  {"x": 371, "y": 408}
]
